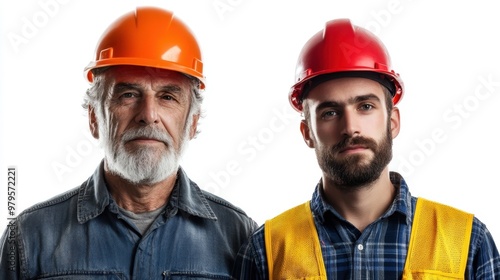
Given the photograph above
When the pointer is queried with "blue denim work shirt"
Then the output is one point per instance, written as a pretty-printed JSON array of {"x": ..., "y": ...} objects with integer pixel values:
[{"x": 81, "y": 234}]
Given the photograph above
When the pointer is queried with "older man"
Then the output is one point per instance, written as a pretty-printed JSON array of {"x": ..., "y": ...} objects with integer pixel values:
[{"x": 138, "y": 216}]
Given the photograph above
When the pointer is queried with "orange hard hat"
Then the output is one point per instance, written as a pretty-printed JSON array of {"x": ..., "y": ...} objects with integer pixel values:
[
  {"x": 150, "y": 37},
  {"x": 344, "y": 49}
]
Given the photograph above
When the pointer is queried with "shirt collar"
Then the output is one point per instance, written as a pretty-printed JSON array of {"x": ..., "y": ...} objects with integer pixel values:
[
  {"x": 93, "y": 197},
  {"x": 401, "y": 203},
  {"x": 188, "y": 197}
]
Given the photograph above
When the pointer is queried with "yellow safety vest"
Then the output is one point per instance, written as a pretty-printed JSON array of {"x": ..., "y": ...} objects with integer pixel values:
[{"x": 438, "y": 249}]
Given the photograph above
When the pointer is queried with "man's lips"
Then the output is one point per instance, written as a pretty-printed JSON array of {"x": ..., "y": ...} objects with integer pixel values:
[
  {"x": 352, "y": 149},
  {"x": 145, "y": 140}
]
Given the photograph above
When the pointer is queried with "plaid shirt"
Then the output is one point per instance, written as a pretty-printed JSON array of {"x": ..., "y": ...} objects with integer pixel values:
[{"x": 379, "y": 252}]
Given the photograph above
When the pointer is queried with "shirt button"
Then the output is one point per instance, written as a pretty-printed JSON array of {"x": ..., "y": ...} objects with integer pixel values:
[{"x": 360, "y": 247}]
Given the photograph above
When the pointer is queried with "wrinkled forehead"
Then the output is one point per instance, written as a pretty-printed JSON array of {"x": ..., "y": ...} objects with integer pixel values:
[{"x": 147, "y": 75}]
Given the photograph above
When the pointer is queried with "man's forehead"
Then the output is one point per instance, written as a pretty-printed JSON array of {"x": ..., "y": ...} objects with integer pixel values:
[
  {"x": 122, "y": 72},
  {"x": 345, "y": 90}
]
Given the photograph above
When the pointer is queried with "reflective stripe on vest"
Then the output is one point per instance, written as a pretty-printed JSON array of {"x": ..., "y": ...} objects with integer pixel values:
[{"x": 438, "y": 248}]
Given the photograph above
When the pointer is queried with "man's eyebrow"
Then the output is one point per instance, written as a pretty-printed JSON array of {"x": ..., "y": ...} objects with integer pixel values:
[
  {"x": 365, "y": 97},
  {"x": 123, "y": 86},
  {"x": 172, "y": 88},
  {"x": 327, "y": 104},
  {"x": 352, "y": 100}
]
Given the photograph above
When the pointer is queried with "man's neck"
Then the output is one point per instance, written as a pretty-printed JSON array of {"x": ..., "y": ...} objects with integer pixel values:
[
  {"x": 139, "y": 198},
  {"x": 362, "y": 205}
]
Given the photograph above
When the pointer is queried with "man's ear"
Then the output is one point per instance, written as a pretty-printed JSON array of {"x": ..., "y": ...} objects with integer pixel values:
[
  {"x": 194, "y": 126},
  {"x": 306, "y": 134},
  {"x": 395, "y": 122},
  {"x": 93, "y": 125}
]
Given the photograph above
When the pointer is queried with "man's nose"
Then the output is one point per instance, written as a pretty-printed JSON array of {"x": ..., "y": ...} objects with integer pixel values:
[
  {"x": 350, "y": 123},
  {"x": 148, "y": 111}
]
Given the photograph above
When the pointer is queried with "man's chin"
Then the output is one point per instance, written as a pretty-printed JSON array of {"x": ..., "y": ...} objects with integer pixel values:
[{"x": 145, "y": 176}]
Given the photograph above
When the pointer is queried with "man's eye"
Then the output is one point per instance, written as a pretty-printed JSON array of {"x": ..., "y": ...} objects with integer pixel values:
[
  {"x": 329, "y": 114},
  {"x": 366, "y": 107},
  {"x": 127, "y": 95},
  {"x": 167, "y": 97}
]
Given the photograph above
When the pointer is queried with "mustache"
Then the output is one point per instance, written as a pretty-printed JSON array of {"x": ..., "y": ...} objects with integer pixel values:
[
  {"x": 150, "y": 132},
  {"x": 351, "y": 141}
]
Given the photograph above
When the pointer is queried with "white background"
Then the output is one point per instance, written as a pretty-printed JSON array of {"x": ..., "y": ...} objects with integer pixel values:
[{"x": 250, "y": 150}]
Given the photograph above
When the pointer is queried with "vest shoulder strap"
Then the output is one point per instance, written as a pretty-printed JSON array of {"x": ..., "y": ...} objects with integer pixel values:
[
  {"x": 292, "y": 245},
  {"x": 438, "y": 249},
  {"x": 439, "y": 242}
]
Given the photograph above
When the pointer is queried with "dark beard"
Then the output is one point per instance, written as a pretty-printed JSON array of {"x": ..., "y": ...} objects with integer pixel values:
[{"x": 350, "y": 173}]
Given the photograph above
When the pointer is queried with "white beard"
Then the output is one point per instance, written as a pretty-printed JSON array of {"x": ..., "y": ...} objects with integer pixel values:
[{"x": 146, "y": 165}]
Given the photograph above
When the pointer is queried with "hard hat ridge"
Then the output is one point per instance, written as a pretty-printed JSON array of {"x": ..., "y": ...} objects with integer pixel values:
[
  {"x": 150, "y": 37},
  {"x": 343, "y": 48}
]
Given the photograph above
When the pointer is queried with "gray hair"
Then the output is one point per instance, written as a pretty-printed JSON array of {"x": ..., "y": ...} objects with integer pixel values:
[{"x": 96, "y": 96}]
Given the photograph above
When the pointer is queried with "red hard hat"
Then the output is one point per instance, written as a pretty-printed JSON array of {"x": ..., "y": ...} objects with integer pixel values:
[
  {"x": 149, "y": 37},
  {"x": 342, "y": 47}
]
